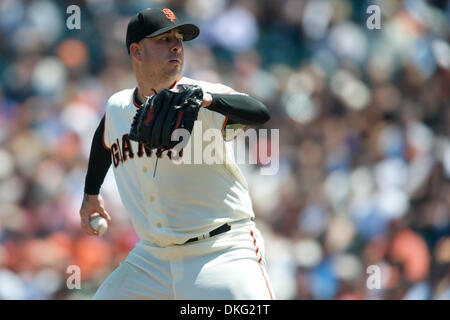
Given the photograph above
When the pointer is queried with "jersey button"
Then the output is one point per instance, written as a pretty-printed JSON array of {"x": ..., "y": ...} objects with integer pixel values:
[
  {"x": 144, "y": 169},
  {"x": 151, "y": 198},
  {"x": 159, "y": 225}
]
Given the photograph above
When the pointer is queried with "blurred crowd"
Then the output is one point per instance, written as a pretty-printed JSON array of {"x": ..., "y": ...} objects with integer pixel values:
[{"x": 360, "y": 206}]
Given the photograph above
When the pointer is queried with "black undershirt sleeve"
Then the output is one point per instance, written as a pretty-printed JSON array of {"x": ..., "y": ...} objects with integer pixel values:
[
  {"x": 240, "y": 108},
  {"x": 99, "y": 162}
]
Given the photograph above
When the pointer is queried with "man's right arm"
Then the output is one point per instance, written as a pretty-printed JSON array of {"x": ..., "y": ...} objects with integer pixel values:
[{"x": 99, "y": 163}]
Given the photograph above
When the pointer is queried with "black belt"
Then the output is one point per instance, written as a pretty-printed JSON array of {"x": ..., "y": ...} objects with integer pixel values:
[{"x": 223, "y": 228}]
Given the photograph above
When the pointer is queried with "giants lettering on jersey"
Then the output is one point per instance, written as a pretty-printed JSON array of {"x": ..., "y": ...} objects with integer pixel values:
[{"x": 121, "y": 151}]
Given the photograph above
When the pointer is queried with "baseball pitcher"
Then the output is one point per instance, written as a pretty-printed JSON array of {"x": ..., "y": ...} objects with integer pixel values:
[{"x": 194, "y": 218}]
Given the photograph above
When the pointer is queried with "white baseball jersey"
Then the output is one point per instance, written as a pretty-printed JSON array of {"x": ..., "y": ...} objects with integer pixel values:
[{"x": 182, "y": 201}]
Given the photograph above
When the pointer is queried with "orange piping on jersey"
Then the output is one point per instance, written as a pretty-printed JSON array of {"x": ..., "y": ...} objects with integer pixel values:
[
  {"x": 259, "y": 262},
  {"x": 103, "y": 138},
  {"x": 176, "y": 81},
  {"x": 103, "y": 142},
  {"x": 224, "y": 123},
  {"x": 137, "y": 105}
]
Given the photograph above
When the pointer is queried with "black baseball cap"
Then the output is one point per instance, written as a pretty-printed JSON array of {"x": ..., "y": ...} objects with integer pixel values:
[{"x": 149, "y": 23}]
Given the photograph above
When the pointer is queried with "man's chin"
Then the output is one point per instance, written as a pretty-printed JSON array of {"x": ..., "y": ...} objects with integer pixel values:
[{"x": 175, "y": 71}]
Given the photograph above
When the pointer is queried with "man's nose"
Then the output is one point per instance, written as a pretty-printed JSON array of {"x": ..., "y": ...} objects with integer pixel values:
[{"x": 177, "y": 46}]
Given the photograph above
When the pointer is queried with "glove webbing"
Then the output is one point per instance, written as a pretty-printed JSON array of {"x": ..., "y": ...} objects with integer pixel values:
[{"x": 160, "y": 151}]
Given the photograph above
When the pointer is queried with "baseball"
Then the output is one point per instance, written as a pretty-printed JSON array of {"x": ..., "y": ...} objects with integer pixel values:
[{"x": 99, "y": 224}]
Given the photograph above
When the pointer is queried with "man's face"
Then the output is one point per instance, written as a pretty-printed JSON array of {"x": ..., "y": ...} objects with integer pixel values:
[{"x": 163, "y": 55}]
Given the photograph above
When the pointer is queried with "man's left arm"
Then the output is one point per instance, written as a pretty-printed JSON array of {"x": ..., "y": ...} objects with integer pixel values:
[{"x": 238, "y": 108}]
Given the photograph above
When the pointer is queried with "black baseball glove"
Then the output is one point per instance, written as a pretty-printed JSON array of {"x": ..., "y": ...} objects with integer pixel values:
[{"x": 163, "y": 113}]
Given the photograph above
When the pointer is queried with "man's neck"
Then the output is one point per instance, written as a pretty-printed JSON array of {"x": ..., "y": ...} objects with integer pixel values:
[
  {"x": 146, "y": 89},
  {"x": 141, "y": 97}
]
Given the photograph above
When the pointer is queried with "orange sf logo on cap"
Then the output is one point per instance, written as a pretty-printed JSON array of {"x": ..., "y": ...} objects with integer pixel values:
[{"x": 169, "y": 14}]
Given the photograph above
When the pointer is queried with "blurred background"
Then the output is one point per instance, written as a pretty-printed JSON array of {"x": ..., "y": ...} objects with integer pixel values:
[{"x": 364, "y": 119}]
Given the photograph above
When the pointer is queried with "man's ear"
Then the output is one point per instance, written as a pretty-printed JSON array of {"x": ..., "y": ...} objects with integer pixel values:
[{"x": 136, "y": 51}]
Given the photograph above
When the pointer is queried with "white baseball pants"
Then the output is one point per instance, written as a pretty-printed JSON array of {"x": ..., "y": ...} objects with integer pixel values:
[{"x": 227, "y": 266}]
